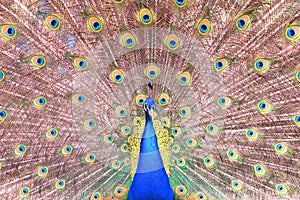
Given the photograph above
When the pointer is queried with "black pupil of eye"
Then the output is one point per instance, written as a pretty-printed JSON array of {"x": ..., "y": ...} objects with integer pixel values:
[
  {"x": 183, "y": 79},
  {"x": 118, "y": 77},
  {"x": 152, "y": 73},
  {"x": 10, "y": 31},
  {"x": 96, "y": 24},
  {"x": 263, "y": 105},
  {"x": 41, "y": 100},
  {"x": 163, "y": 100},
  {"x": 146, "y": 17},
  {"x": 260, "y": 64},
  {"x": 231, "y": 153},
  {"x": 219, "y": 64},
  {"x": 203, "y": 27},
  {"x": 279, "y": 147},
  {"x": 21, "y": 149},
  {"x": 129, "y": 41},
  {"x": 40, "y": 61},
  {"x": 81, "y": 63},
  {"x": 250, "y": 133},
  {"x": 183, "y": 112},
  {"x": 25, "y": 191},
  {"x": 291, "y": 32},
  {"x": 242, "y": 22},
  {"x": 54, "y": 23},
  {"x": 2, "y": 114},
  {"x": 172, "y": 43}
]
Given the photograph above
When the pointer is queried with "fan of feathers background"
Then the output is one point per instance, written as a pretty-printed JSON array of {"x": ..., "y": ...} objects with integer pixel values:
[{"x": 225, "y": 76}]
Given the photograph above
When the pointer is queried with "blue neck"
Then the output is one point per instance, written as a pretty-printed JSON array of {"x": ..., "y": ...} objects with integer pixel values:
[{"x": 150, "y": 180}]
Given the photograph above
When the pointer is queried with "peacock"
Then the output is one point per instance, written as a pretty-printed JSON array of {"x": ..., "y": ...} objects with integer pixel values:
[{"x": 149, "y": 99}]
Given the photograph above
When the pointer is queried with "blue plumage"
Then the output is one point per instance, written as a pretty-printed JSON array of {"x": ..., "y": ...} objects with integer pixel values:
[{"x": 151, "y": 181}]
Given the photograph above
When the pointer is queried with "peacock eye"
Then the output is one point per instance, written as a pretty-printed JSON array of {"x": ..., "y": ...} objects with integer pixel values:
[
  {"x": 191, "y": 142},
  {"x": 163, "y": 99},
  {"x": 121, "y": 111},
  {"x": 95, "y": 24},
  {"x": 42, "y": 172},
  {"x": 260, "y": 170},
  {"x": 261, "y": 65},
  {"x": 145, "y": 16},
  {"x": 180, "y": 190},
  {"x": 24, "y": 192},
  {"x": 172, "y": 42},
  {"x": 95, "y": 196},
  {"x": 221, "y": 64},
  {"x": 176, "y": 131},
  {"x": 80, "y": 63},
  {"x": 38, "y": 61},
  {"x": 90, "y": 158},
  {"x": 52, "y": 22},
  {"x": 292, "y": 33},
  {"x": 116, "y": 164},
  {"x": 8, "y": 31},
  {"x": 140, "y": 99},
  {"x": 20, "y": 150},
  {"x": 128, "y": 40},
  {"x": 224, "y": 102},
  {"x": 117, "y": 76},
  {"x": 39, "y": 102},
  {"x": 108, "y": 138},
  {"x": 2, "y": 75},
  {"x": 67, "y": 150},
  {"x": 184, "y": 112},
  {"x": 60, "y": 184},
  {"x": 212, "y": 129},
  {"x": 204, "y": 26},
  {"x": 243, "y": 22},
  {"x": 209, "y": 162},
  {"x": 152, "y": 71},
  {"x": 3, "y": 115},
  {"x": 264, "y": 107},
  {"x": 184, "y": 78},
  {"x": 120, "y": 191},
  {"x": 180, "y": 3}
]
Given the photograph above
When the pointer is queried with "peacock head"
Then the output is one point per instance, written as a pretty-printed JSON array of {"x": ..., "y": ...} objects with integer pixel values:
[{"x": 149, "y": 107}]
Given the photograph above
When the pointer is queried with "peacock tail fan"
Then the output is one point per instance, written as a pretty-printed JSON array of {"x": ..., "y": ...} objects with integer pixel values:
[{"x": 174, "y": 99}]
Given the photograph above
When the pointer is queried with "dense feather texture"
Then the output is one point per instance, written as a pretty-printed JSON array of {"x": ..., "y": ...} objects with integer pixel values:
[{"x": 75, "y": 74}]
